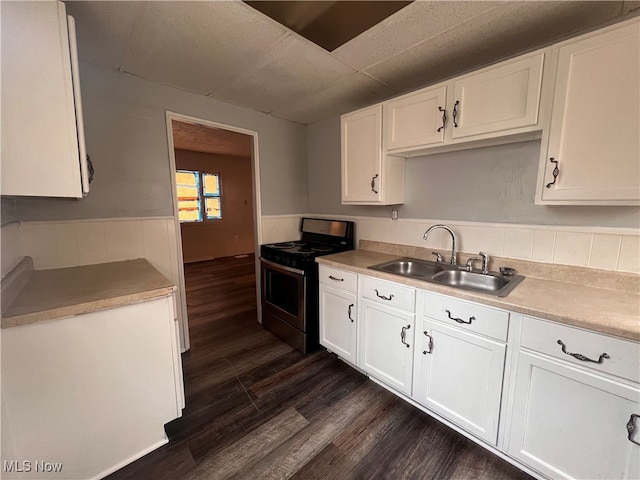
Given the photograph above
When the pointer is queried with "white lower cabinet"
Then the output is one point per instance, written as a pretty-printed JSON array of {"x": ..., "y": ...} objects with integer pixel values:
[
  {"x": 458, "y": 375},
  {"x": 558, "y": 401},
  {"x": 92, "y": 392},
  {"x": 338, "y": 314},
  {"x": 576, "y": 402},
  {"x": 571, "y": 423},
  {"x": 386, "y": 344}
]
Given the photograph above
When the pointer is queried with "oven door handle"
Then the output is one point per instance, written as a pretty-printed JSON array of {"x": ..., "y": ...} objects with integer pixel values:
[{"x": 277, "y": 266}]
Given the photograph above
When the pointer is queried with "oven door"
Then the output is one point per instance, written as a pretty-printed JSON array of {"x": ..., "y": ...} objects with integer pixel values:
[{"x": 283, "y": 290}]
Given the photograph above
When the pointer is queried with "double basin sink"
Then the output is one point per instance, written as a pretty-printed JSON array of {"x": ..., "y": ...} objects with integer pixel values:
[{"x": 492, "y": 283}]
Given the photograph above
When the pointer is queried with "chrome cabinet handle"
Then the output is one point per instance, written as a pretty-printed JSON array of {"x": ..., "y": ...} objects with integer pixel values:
[
  {"x": 336, "y": 278},
  {"x": 430, "y": 345},
  {"x": 349, "y": 312},
  {"x": 555, "y": 173},
  {"x": 455, "y": 113},
  {"x": 459, "y": 320},
  {"x": 631, "y": 427},
  {"x": 373, "y": 184},
  {"x": 383, "y": 297},
  {"x": 403, "y": 335},
  {"x": 444, "y": 118},
  {"x": 581, "y": 357}
]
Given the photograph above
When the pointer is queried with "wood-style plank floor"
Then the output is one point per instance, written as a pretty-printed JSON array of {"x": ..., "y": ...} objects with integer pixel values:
[{"x": 257, "y": 409}]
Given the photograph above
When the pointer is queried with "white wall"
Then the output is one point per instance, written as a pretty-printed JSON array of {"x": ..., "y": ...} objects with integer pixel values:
[
  {"x": 127, "y": 140},
  {"x": 493, "y": 184}
]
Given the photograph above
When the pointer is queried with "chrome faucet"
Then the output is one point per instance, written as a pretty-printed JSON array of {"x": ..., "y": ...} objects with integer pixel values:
[
  {"x": 453, "y": 239},
  {"x": 485, "y": 262}
]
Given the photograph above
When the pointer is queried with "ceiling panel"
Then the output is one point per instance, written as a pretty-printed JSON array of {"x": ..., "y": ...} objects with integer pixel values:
[
  {"x": 201, "y": 138},
  {"x": 232, "y": 52},
  {"x": 328, "y": 24},
  {"x": 296, "y": 68},
  {"x": 198, "y": 46},
  {"x": 356, "y": 91},
  {"x": 103, "y": 29},
  {"x": 508, "y": 29},
  {"x": 411, "y": 25}
]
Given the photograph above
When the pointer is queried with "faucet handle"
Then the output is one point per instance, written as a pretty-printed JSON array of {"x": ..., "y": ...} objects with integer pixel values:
[
  {"x": 470, "y": 263},
  {"x": 485, "y": 262},
  {"x": 438, "y": 257}
]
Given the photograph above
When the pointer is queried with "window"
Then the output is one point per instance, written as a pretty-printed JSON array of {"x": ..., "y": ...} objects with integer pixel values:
[
  {"x": 211, "y": 192},
  {"x": 198, "y": 196}
]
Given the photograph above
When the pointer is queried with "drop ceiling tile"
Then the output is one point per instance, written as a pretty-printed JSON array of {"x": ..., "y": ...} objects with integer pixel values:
[
  {"x": 516, "y": 26},
  {"x": 506, "y": 30},
  {"x": 293, "y": 69},
  {"x": 441, "y": 57},
  {"x": 103, "y": 29},
  {"x": 358, "y": 90},
  {"x": 198, "y": 46},
  {"x": 411, "y": 25}
]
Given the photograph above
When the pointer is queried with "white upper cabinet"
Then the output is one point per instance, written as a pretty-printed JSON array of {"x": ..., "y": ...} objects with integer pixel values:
[
  {"x": 42, "y": 133},
  {"x": 489, "y": 105},
  {"x": 416, "y": 119},
  {"x": 368, "y": 176},
  {"x": 594, "y": 135},
  {"x": 500, "y": 99}
]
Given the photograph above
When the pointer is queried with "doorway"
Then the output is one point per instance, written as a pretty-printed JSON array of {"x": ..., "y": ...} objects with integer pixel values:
[{"x": 216, "y": 194}]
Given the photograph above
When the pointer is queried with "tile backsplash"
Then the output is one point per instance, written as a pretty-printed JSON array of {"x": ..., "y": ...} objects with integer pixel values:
[{"x": 616, "y": 249}]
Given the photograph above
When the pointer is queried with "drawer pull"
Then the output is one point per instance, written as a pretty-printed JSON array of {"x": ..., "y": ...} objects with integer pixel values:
[
  {"x": 581, "y": 357},
  {"x": 403, "y": 335},
  {"x": 459, "y": 320},
  {"x": 373, "y": 184},
  {"x": 555, "y": 173},
  {"x": 349, "y": 312},
  {"x": 455, "y": 113},
  {"x": 444, "y": 119},
  {"x": 336, "y": 278},
  {"x": 430, "y": 345},
  {"x": 631, "y": 427},
  {"x": 383, "y": 297}
]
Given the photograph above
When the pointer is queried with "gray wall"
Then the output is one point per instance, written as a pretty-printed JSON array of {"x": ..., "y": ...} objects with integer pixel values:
[
  {"x": 127, "y": 141},
  {"x": 492, "y": 184}
]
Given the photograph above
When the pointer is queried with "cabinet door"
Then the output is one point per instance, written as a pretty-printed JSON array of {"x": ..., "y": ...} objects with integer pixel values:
[
  {"x": 362, "y": 155},
  {"x": 338, "y": 314},
  {"x": 498, "y": 98},
  {"x": 386, "y": 344},
  {"x": 40, "y": 155},
  {"x": 567, "y": 423},
  {"x": 459, "y": 376},
  {"x": 415, "y": 120},
  {"x": 595, "y": 122}
]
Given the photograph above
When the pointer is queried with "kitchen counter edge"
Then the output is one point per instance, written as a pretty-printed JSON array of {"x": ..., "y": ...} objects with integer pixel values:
[
  {"x": 610, "y": 312},
  {"x": 64, "y": 292}
]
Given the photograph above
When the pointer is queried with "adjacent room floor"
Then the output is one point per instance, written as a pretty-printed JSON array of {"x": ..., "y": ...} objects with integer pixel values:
[{"x": 257, "y": 409}]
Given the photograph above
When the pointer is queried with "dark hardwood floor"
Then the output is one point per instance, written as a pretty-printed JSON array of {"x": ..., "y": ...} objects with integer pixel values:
[{"x": 257, "y": 409}]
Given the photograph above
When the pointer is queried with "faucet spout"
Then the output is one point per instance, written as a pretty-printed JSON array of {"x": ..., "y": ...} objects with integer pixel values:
[{"x": 453, "y": 239}]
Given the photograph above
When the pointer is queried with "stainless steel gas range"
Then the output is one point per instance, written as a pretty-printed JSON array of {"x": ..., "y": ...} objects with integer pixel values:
[{"x": 290, "y": 279}]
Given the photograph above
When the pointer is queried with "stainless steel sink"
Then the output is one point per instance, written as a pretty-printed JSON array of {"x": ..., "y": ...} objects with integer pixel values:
[
  {"x": 409, "y": 267},
  {"x": 492, "y": 283}
]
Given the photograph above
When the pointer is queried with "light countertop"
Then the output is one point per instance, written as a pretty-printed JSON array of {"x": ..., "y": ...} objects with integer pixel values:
[
  {"x": 607, "y": 311},
  {"x": 62, "y": 292}
]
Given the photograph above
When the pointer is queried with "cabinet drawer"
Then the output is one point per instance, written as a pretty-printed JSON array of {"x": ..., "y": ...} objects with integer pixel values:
[
  {"x": 388, "y": 293},
  {"x": 623, "y": 355},
  {"x": 339, "y": 278},
  {"x": 470, "y": 316}
]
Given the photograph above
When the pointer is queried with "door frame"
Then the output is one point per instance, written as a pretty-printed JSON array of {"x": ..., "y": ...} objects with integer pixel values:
[{"x": 257, "y": 210}]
